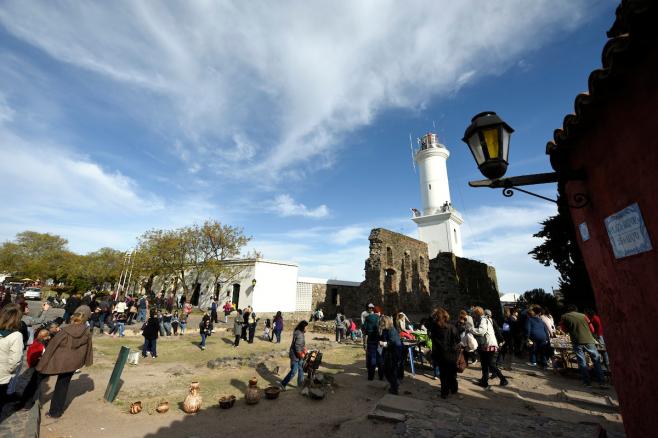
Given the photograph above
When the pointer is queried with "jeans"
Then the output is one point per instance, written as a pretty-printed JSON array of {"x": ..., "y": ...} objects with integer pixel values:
[
  {"x": 58, "y": 400},
  {"x": 488, "y": 361},
  {"x": 150, "y": 345},
  {"x": 252, "y": 332},
  {"x": 340, "y": 334},
  {"x": 141, "y": 316},
  {"x": 101, "y": 323},
  {"x": 374, "y": 361},
  {"x": 203, "y": 339},
  {"x": 296, "y": 366},
  {"x": 538, "y": 352},
  {"x": 122, "y": 327},
  {"x": 606, "y": 360},
  {"x": 213, "y": 316},
  {"x": 183, "y": 325},
  {"x": 580, "y": 350},
  {"x": 162, "y": 330},
  {"x": 167, "y": 327},
  {"x": 277, "y": 334}
]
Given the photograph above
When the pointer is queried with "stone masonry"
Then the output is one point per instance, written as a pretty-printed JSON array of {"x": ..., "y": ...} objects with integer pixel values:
[
  {"x": 400, "y": 277},
  {"x": 397, "y": 272}
]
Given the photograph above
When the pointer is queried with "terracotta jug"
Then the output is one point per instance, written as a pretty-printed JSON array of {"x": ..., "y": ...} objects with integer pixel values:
[
  {"x": 192, "y": 402},
  {"x": 252, "y": 394}
]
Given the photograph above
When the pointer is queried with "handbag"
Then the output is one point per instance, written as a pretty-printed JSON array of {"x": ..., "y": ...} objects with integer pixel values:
[{"x": 461, "y": 361}]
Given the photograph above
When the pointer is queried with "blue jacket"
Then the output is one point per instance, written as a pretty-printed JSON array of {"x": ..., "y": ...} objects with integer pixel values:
[{"x": 536, "y": 329}]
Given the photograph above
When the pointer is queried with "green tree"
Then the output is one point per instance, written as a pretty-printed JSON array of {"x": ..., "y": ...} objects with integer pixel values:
[
  {"x": 34, "y": 255},
  {"x": 542, "y": 299},
  {"x": 184, "y": 254},
  {"x": 561, "y": 251}
]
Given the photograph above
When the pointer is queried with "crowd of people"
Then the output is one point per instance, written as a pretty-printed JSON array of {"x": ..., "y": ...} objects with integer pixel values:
[{"x": 60, "y": 347}]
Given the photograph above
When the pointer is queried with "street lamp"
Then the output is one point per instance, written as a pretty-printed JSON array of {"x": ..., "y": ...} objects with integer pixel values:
[{"x": 488, "y": 138}]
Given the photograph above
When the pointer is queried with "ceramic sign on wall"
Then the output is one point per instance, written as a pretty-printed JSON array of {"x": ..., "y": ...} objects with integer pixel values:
[{"x": 627, "y": 233}]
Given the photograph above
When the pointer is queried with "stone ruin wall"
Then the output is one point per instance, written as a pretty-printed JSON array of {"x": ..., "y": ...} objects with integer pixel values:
[
  {"x": 458, "y": 283},
  {"x": 332, "y": 298},
  {"x": 400, "y": 277},
  {"x": 397, "y": 273}
]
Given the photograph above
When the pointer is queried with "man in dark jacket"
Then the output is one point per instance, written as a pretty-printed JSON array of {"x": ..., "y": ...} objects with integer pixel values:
[
  {"x": 72, "y": 304},
  {"x": 539, "y": 335}
]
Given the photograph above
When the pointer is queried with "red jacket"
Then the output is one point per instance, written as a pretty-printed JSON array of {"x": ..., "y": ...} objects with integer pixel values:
[
  {"x": 597, "y": 328},
  {"x": 34, "y": 353}
]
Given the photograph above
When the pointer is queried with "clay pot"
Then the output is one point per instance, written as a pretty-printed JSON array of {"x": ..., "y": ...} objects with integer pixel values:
[
  {"x": 136, "y": 408},
  {"x": 227, "y": 402},
  {"x": 192, "y": 402},
  {"x": 272, "y": 392},
  {"x": 162, "y": 407},
  {"x": 252, "y": 394}
]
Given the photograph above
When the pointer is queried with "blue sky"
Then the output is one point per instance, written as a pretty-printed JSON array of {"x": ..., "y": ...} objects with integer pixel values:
[{"x": 291, "y": 119}]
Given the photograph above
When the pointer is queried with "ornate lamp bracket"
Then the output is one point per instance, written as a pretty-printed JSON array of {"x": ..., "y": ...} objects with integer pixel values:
[{"x": 510, "y": 184}]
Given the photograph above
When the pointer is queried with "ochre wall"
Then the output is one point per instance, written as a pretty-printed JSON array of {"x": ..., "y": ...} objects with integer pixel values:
[{"x": 619, "y": 153}]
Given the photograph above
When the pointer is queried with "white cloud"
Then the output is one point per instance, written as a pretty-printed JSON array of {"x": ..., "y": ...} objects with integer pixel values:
[
  {"x": 286, "y": 80},
  {"x": 6, "y": 112},
  {"x": 52, "y": 178},
  {"x": 285, "y": 206},
  {"x": 502, "y": 237}
]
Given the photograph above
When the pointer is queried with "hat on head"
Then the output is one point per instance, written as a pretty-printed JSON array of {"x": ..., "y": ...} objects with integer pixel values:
[
  {"x": 84, "y": 310},
  {"x": 370, "y": 306},
  {"x": 487, "y": 312}
]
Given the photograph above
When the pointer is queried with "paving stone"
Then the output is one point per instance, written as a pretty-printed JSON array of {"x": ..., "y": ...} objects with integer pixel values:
[
  {"x": 583, "y": 398},
  {"x": 401, "y": 404},
  {"x": 394, "y": 417},
  {"x": 379, "y": 384}
]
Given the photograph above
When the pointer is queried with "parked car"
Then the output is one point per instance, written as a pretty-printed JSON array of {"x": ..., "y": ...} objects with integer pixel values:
[{"x": 32, "y": 293}]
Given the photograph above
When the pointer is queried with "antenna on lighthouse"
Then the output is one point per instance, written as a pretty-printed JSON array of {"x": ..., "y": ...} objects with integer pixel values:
[{"x": 411, "y": 148}]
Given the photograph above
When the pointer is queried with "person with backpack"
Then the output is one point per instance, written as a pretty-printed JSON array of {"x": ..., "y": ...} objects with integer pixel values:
[
  {"x": 487, "y": 346},
  {"x": 374, "y": 360}
]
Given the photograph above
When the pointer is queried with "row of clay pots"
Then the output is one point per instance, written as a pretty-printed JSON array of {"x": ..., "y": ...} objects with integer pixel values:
[{"x": 192, "y": 403}]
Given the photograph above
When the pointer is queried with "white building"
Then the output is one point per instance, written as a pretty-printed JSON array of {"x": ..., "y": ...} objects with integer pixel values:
[
  {"x": 439, "y": 224},
  {"x": 268, "y": 286}
]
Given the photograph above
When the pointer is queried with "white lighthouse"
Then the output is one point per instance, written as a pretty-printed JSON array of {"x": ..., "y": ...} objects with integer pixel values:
[{"x": 438, "y": 223}]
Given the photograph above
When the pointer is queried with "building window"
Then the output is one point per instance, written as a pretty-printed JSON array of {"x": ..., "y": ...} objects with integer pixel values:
[
  {"x": 430, "y": 185},
  {"x": 389, "y": 256},
  {"x": 455, "y": 231}
]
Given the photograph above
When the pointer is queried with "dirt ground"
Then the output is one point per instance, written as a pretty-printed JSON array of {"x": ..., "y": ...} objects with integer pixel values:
[{"x": 532, "y": 396}]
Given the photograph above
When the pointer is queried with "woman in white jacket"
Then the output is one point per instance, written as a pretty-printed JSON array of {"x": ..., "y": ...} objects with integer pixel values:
[
  {"x": 11, "y": 347},
  {"x": 488, "y": 346}
]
